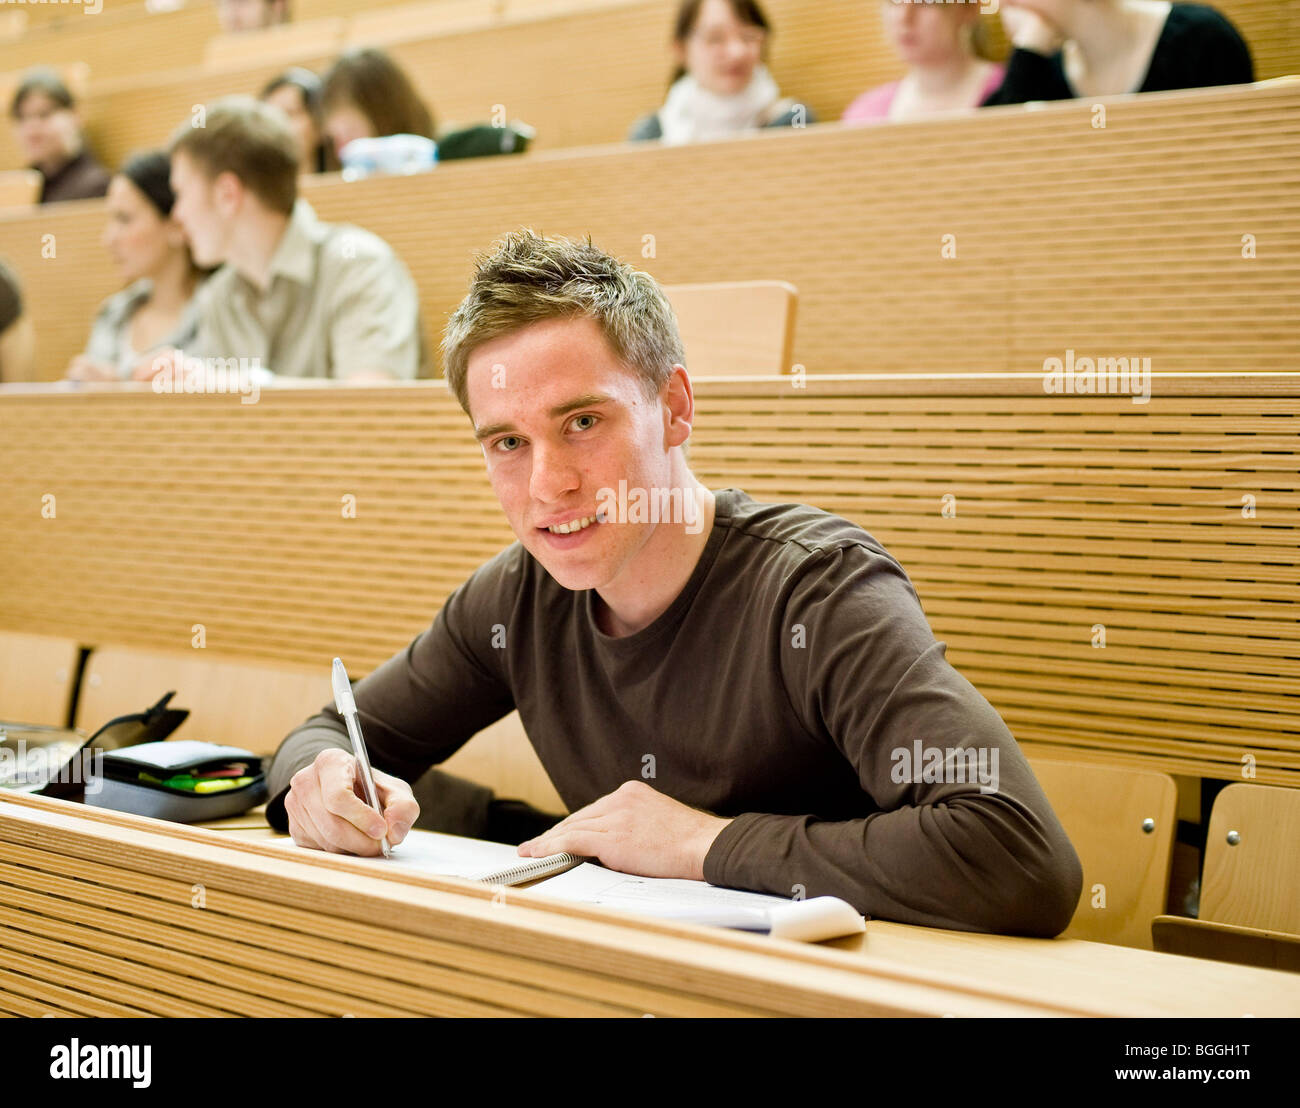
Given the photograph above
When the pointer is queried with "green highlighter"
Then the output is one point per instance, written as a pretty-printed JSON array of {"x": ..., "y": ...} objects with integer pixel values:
[{"x": 187, "y": 783}]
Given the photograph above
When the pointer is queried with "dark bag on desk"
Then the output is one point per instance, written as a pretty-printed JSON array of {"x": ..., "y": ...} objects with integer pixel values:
[
  {"x": 182, "y": 780},
  {"x": 57, "y": 761},
  {"x": 484, "y": 140}
]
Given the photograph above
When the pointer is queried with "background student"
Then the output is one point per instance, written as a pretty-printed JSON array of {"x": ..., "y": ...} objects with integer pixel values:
[
  {"x": 300, "y": 297},
  {"x": 365, "y": 94},
  {"x": 158, "y": 308},
  {"x": 942, "y": 46},
  {"x": 1069, "y": 48},
  {"x": 721, "y": 86},
  {"x": 48, "y": 128}
]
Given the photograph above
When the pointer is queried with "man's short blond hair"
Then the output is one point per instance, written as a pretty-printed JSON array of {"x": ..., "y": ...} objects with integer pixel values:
[
  {"x": 250, "y": 139},
  {"x": 529, "y": 277}
]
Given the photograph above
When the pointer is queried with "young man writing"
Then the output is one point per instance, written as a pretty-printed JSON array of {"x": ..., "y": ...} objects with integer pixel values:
[
  {"x": 728, "y": 696},
  {"x": 302, "y": 297}
]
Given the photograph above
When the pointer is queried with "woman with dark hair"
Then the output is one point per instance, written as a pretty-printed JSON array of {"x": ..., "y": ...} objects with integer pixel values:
[
  {"x": 365, "y": 94},
  {"x": 1069, "y": 48},
  {"x": 297, "y": 93},
  {"x": 721, "y": 86},
  {"x": 48, "y": 129},
  {"x": 158, "y": 310}
]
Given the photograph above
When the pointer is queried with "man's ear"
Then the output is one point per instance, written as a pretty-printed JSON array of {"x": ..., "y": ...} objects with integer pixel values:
[
  {"x": 679, "y": 407},
  {"x": 227, "y": 193}
]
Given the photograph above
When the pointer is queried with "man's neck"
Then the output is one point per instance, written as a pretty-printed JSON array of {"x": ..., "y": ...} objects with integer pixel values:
[
  {"x": 661, "y": 569},
  {"x": 255, "y": 242}
]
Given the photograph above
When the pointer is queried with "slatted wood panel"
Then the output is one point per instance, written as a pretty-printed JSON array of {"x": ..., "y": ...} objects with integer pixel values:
[
  {"x": 126, "y": 41},
  {"x": 1070, "y": 512},
  {"x": 1126, "y": 241},
  {"x": 117, "y": 43},
  {"x": 107, "y": 914},
  {"x": 282, "y": 45},
  {"x": 524, "y": 59}
]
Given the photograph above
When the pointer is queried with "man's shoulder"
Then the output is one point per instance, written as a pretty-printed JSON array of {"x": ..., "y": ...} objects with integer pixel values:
[
  {"x": 500, "y": 579},
  {"x": 790, "y": 531},
  {"x": 216, "y": 284},
  {"x": 346, "y": 243}
]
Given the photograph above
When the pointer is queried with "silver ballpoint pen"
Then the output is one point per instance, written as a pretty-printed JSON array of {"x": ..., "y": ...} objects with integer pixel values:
[{"x": 347, "y": 708}]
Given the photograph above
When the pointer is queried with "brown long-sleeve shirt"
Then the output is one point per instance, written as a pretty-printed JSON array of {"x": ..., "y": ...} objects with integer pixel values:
[{"x": 794, "y": 684}]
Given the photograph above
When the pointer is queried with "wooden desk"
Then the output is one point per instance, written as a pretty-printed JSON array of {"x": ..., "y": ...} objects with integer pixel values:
[{"x": 1092, "y": 978}]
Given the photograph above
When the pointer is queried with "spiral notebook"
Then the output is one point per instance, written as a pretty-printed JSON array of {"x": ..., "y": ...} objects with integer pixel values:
[{"x": 823, "y": 917}]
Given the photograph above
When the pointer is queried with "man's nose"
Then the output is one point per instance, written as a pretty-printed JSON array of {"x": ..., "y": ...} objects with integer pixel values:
[{"x": 553, "y": 474}]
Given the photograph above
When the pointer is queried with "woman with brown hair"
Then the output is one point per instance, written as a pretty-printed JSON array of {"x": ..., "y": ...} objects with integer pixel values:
[
  {"x": 721, "y": 86},
  {"x": 365, "y": 94}
]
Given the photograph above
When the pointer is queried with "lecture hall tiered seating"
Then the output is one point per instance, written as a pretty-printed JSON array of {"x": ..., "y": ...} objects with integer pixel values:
[{"x": 1119, "y": 579}]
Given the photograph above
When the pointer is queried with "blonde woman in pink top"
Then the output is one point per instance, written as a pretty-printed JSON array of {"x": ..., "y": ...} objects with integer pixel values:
[{"x": 941, "y": 45}]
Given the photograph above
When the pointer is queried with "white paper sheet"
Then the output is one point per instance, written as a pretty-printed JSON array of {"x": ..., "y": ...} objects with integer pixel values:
[
  {"x": 442, "y": 855},
  {"x": 822, "y": 917}
]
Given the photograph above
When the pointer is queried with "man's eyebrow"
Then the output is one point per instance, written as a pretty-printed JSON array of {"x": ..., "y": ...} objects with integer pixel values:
[{"x": 590, "y": 400}]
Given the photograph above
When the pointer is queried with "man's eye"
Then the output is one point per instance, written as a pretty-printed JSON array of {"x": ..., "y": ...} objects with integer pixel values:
[
  {"x": 510, "y": 442},
  {"x": 577, "y": 422}
]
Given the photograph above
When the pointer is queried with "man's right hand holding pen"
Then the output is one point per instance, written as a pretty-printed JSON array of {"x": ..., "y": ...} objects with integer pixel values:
[{"x": 327, "y": 811}]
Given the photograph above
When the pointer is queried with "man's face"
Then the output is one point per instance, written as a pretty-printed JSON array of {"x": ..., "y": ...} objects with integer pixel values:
[
  {"x": 560, "y": 418},
  {"x": 196, "y": 211},
  {"x": 46, "y": 131}
]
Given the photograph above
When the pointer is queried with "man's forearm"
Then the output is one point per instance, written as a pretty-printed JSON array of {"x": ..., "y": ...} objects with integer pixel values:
[{"x": 970, "y": 864}]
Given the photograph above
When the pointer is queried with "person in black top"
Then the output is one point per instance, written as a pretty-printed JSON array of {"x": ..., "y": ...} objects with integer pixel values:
[
  {"x": 1070, "y": 48},
  {"x": 48, "y": 130}
]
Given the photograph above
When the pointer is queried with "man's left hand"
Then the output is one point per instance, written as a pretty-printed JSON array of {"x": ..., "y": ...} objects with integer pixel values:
[{"x": 635, "y": 829}]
